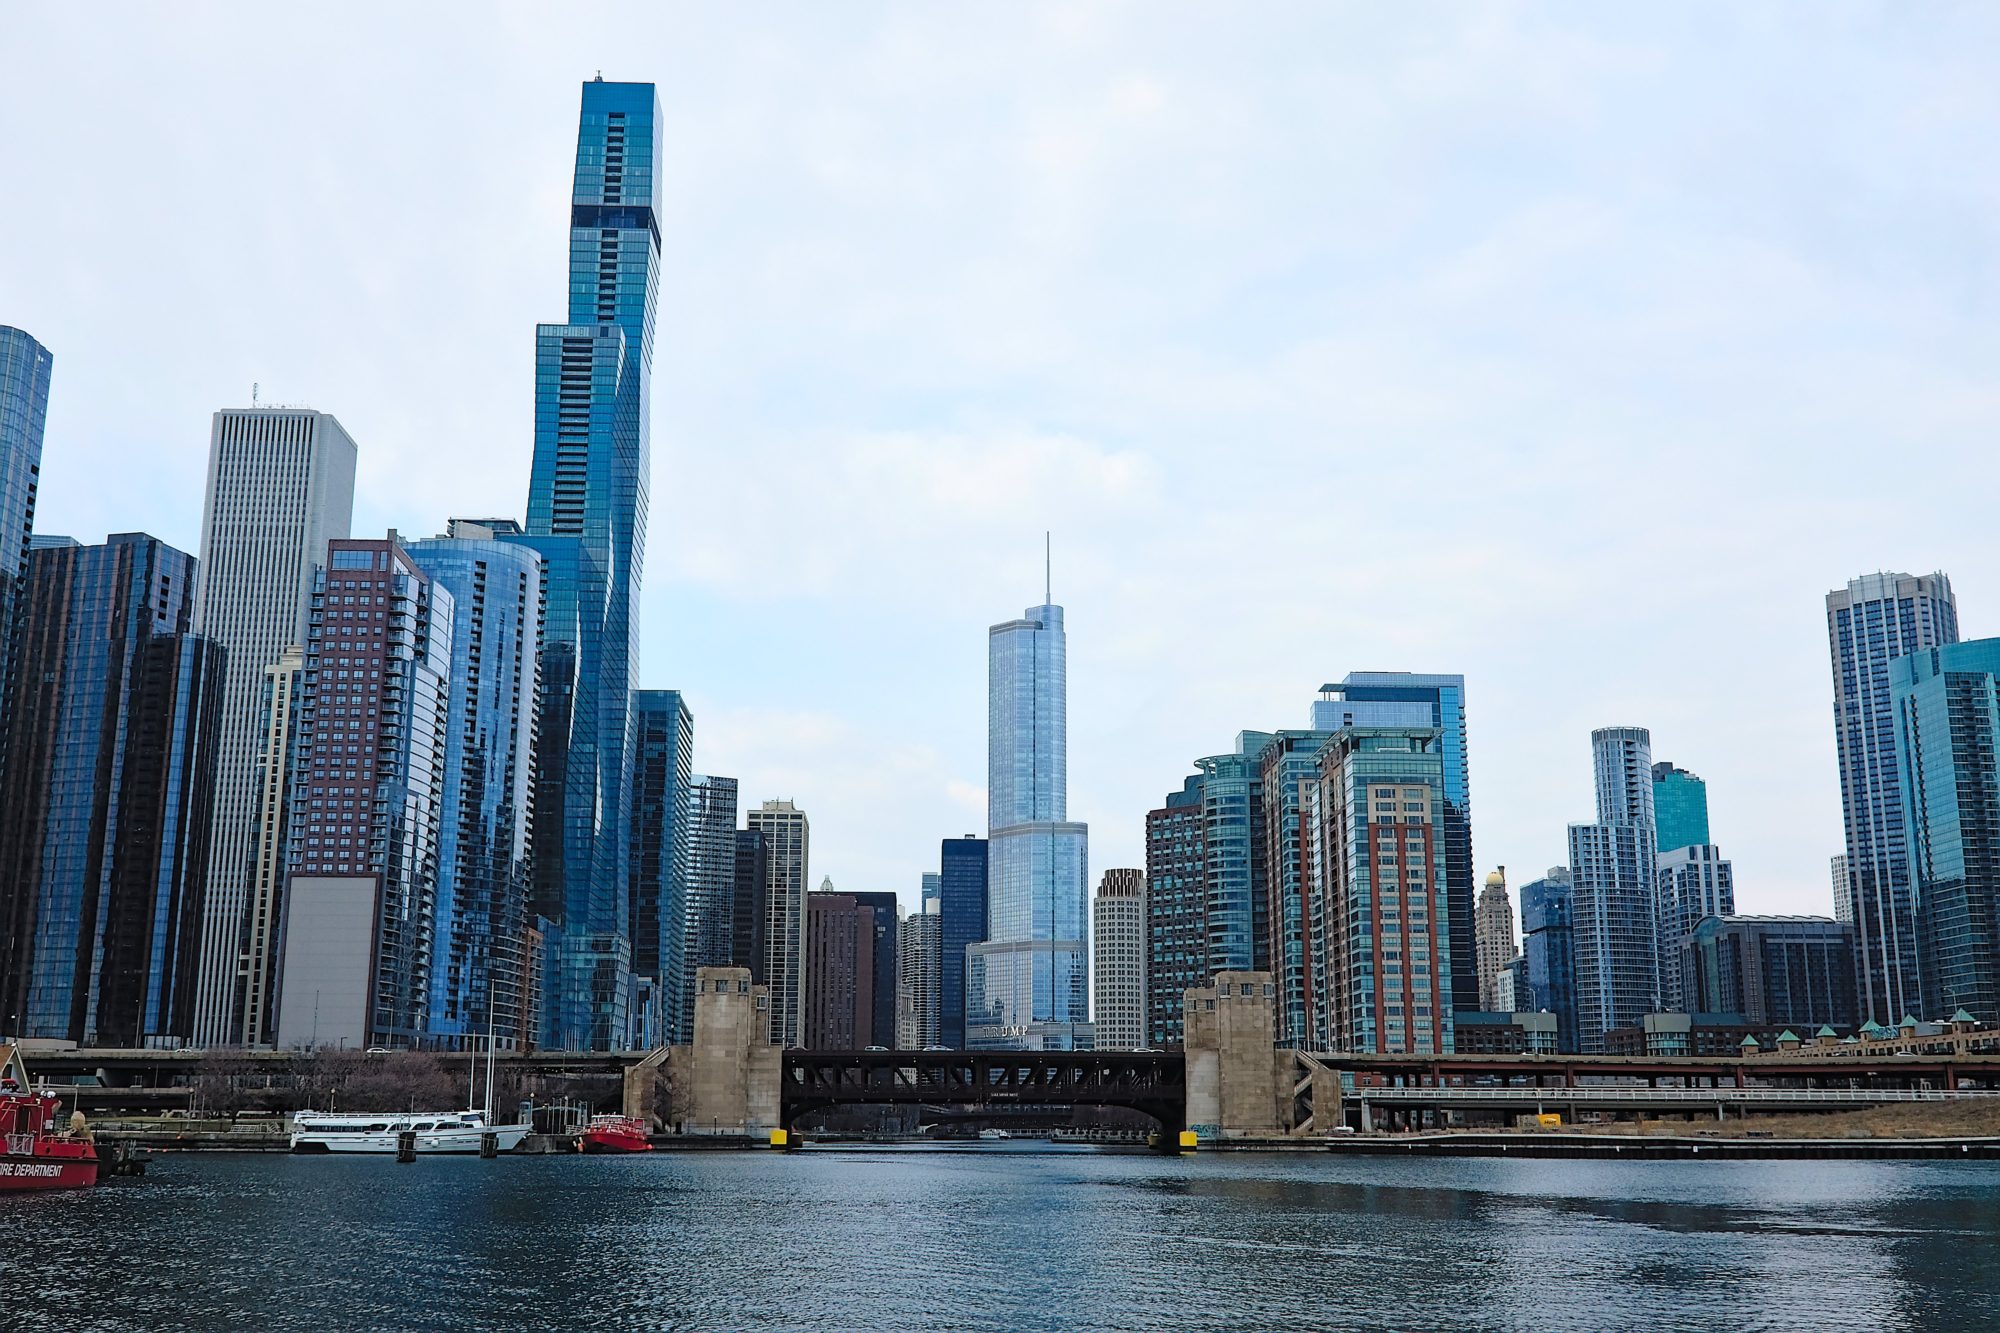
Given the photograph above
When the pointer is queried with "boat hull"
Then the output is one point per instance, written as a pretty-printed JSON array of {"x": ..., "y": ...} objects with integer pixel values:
[
  {"x": 595, "y": 1141},
  {"x": 36, "y": 1172},
  {"x": 439, "y": 1142}
]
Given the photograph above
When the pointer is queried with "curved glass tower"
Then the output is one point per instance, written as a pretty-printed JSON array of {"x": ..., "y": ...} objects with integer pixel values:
[
  {"x": 587, "y": 516},
  {"x": 1028, "y": 984}
]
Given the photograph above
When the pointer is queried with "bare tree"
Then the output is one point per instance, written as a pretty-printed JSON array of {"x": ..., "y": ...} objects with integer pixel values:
[{"x": 405, "y": 1081}]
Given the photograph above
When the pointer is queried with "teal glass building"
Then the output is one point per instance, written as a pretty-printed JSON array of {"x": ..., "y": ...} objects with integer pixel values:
[
  {"x": 1680, "y": 807},
  {"x": 1946, "y": 703},
  {"x": 587, "y": 516}
]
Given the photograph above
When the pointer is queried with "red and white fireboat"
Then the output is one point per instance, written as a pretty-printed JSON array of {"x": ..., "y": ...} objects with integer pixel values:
[
  {"x": 615, "y": 1133},
  {"x": 36, "y": 1152}
]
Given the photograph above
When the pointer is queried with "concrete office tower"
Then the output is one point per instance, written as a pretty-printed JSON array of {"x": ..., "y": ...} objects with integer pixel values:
[
  {"x": 1869, "y": 623},
  {"x": 1118, "y": 932},
  {"x": 105, "y": 808},
  {"x": 1946, "y": 705},
  {"x": 1695, "y": 883},
  {"x": 662, "y": 774},
  {"x": 1493, "y": 928},
  {"x": 1680, "y": 807},
  {"x": 1379, "y": 865},
  {"x": 962, "y": 883},
  {"x": 711, "y": 875},
  {"x": 1548, "y": 952},
  {"x": 1843, "y": 895},
  {"x": 587, "y": 515},
  {"x": 1777, "y": 971},
  {"x": 787, "y": 855},
  {"x": 1615, "y": 869},
  {"x": 367, "y": 802},
  {"x": 24, "y": 406},
  {"x": 280, "y": 487},
  {"x": 270, "y": 850},
  {"x": 1418, "y": 699},
  {"x": 1286, "y": 768},
  {"x": 479, "y": 962},
  {"x": 841, "y": 973},
  {"x": 1029, "y": 984},
  {"x": 919, "y": 953}
]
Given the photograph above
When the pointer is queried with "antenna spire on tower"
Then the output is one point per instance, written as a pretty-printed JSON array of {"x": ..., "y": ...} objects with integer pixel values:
[{"x": 1048, "y": 569}]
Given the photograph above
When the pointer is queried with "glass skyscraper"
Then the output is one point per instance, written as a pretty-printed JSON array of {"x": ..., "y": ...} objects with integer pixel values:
[
  {"x": 1424, "y": 699},
  {"x": 587, "y": 514},
  {"x": 1288, "y": 765},
  {"x": 662, "y": 776},
  {"x": 105, "y": 808},
  {"x": 961, "y": 924},
  {"x": 1615, "y": 868},
  {"x": 710, "y": 835},
  {"x": 479, "y": 965},
  {"x": 1548, "y": 950},
  {"x": 1946, "y": 703},
  {"x": 1680, "y": 807},
  {"x": 1029, "y": 983},
  {"x": 1869, "y": 623},
  {"x": 24, "y": 408}
]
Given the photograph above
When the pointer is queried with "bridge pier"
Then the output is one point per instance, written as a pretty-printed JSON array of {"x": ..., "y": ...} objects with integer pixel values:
[
  {"x": 729, "y": 1079},
  {"x": 1237, "y": 1085}
]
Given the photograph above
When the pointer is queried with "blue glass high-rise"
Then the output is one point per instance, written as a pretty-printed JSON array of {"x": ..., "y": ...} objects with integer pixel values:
[
  {"x": 588, "y": 486},
  {"x": 24, "y": 409},
  {"x": 1548, "y": 947},
  {"x": 478, "y": 978},
  {"x": 662, "y": 782},
  {"x": 1029, "y": 984},
  {"x": 961, "y": 924},
  {"x": 104, "y": 811}
]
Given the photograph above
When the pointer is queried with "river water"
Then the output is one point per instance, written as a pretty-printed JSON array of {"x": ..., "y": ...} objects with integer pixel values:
[{"x": 1006, "y": 1237}]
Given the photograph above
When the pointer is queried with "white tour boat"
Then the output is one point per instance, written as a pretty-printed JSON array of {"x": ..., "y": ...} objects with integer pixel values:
[
  {"x": 431, "y": 1131},
  {"x": 435, "y": 1131}
]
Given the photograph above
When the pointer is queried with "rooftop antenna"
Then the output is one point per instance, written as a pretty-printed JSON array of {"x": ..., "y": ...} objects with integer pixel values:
[
  {"x": 253, "y": 393},
  {"x": 1048, "y": 569}
]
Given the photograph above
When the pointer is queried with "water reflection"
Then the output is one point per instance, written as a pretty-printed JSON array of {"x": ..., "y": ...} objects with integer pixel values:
[{"x": 1010, "y": 1239}]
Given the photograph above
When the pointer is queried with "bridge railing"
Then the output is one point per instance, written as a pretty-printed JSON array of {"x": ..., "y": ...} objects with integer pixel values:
[{"x": 1635, "y": 1096}]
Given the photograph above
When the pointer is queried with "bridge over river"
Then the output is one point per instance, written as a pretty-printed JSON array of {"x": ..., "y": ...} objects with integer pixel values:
[{"x": 1231, "y": 1081}]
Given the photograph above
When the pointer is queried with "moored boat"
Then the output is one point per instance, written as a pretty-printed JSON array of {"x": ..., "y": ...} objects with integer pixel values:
[
  {"x": 432, "y": 1131},
  {"x": 35, "y": 1154},
  {"x": 616, "y": 1133}
]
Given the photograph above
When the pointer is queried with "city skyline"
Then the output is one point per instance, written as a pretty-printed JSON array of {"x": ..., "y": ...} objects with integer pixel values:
[{"x": 739, "y": 613}]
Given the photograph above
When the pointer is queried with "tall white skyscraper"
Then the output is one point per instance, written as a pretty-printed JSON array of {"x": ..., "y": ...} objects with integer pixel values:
[
  {"x": 1869, "y": 623},
  {"x": 787, "y": 844},
  {"x": 1029, "y": 983},
  {"x": 919, "y": 948},
  {"x": 1615, "y": 867},
  {"x": 1118, "y": 934},
  {"x": 280, "y": 486}
]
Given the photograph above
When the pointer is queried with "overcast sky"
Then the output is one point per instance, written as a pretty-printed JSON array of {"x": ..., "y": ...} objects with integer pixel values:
[{"x": 1580, "y": 349}]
